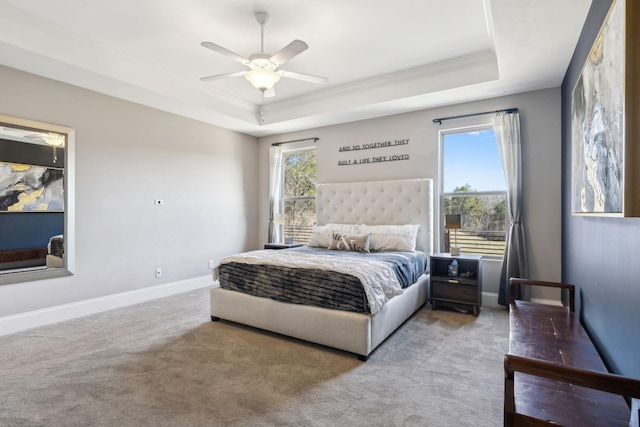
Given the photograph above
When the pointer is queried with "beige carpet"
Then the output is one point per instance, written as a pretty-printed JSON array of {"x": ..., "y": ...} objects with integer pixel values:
[{"x": 164, "y": 363}]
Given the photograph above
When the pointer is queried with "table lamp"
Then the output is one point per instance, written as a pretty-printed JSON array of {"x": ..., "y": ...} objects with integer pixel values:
[{"x": 453, "y": 222}]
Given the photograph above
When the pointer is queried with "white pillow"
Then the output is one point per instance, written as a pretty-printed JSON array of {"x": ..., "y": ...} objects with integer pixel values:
[
  {"x": 391, "y": 237},
  {"x": 321, "y": 235}
]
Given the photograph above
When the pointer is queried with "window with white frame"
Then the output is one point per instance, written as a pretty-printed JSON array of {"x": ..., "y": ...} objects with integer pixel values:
[
  {"x": 473, "y": 186},
  {"x": 299, "y": 194}
]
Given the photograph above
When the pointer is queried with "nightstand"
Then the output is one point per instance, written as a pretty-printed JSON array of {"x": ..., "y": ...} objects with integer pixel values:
[
  {"x": 463, "y": 291},
  {"x": 282, "y": 245}
]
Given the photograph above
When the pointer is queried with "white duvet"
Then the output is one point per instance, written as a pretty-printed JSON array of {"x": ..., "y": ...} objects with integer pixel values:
[{"x": 378, "y": 279}]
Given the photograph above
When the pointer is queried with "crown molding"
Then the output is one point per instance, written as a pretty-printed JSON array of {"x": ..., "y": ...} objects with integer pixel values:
[{"x": 455, "y": 73}]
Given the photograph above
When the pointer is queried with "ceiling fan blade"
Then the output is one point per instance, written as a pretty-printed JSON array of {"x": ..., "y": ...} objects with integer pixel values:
[
  {"x": 289, "y": 51},
  {"x": 222, "y": 76},
  {"x": 304, "y": 77},
  {"x": 270, "y": 93},
  {"x": 226, "y": 52}
]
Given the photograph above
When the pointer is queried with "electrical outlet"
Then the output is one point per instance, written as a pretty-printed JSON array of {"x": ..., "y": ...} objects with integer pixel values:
[
  {"x": 158, "y": 272},
  {"x": 211, "y": 265}
]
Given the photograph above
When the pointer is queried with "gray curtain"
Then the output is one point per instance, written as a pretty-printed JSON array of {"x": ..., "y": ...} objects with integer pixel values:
[
  {"x": 276, "y": 233},
  {"x": 514, "y": 264}
]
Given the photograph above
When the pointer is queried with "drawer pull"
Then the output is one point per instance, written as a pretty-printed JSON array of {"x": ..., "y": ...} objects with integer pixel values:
[{"x": 453, "y": 281}]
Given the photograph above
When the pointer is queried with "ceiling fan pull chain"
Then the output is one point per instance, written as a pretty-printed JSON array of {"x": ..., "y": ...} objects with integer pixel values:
[{"x": 262, "y": 108}]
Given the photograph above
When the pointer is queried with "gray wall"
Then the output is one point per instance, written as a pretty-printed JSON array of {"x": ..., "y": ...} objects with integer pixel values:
[
  {"x": 599, "y": 254},
  {"x": 128, "y": 155},
  {"x": 215, "y": 184},
  {"x": 540, "y": 129}
]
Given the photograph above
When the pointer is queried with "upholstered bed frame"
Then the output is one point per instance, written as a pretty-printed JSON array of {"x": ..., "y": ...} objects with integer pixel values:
[{"x": 374, "y": 203}]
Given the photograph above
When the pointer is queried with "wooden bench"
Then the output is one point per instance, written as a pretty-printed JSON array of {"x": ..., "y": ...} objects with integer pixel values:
[
  {"x": 553, "y": 372},
  {"x": 21, "y": 258}
]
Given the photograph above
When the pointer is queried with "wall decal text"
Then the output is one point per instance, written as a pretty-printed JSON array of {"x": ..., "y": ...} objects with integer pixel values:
[
  {"x": 374, "y": 145},
  {"x": 373, "y": 159}
]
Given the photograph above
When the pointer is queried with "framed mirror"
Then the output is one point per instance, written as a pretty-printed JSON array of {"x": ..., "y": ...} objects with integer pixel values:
[{"x": 36, "y": 200}]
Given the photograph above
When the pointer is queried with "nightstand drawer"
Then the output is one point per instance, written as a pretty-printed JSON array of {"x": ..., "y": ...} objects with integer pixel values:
[{"x": 454, "y": 291}]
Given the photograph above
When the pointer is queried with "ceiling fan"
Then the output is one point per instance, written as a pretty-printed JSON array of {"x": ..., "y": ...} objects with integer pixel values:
[
  {"x": 54, "y": 140},
  {"x": 263, "y": 72}
]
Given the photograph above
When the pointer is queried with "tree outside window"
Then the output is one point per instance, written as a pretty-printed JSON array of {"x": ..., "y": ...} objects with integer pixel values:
[{"x": 299, "y": 194}]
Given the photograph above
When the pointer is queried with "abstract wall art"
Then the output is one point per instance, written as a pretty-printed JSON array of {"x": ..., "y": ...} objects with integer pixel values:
[
  {"x": 29, "y": 188},
  {"x": 604, "y": 153}
]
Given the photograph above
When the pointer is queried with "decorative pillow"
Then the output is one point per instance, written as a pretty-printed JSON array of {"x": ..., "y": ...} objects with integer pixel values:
[
  {"x": 392, "y": 237},
  {"x": 350, "y": 242},
  {"x": 57, "y": 247},
  {"x": 321, "y": 235}
]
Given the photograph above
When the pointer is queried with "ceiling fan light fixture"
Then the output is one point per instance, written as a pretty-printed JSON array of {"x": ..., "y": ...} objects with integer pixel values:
[
  {"x": 54, "y": 140},
  {"x": 262, "y": 79}
]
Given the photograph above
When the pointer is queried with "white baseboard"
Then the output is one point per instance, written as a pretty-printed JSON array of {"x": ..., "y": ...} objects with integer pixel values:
[
  {"x": 490, "y": 299},
  {"x": 48, "y": 316},
  {"x": 51, "y": 315}
]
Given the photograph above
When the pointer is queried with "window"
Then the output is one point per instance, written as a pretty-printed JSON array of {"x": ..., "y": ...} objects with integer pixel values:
[
  {"x": 474, "y": 186},
  {"x": 299, "y": 194}
]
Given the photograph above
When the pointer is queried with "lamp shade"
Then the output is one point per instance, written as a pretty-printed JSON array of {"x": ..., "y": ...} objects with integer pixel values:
[
  {"x": 278, "y": 219},
  {"x": 262, "y": 79},
  {"x": 452, "y": 222}
]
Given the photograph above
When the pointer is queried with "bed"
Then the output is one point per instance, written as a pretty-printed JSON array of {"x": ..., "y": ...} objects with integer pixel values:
[{"x": 398, "y": 202}]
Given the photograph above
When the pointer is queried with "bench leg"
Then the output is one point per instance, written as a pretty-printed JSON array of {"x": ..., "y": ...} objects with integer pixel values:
[{"x": 509, "y": 400}]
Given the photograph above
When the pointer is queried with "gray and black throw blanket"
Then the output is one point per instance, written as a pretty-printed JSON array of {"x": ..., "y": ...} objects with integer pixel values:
[{"x": 350, "y": 281}]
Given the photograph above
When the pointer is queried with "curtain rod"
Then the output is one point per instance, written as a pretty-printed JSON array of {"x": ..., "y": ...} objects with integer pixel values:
[
  {"x": 508, "y": 111},
  {"x": 295, "y": 140}
]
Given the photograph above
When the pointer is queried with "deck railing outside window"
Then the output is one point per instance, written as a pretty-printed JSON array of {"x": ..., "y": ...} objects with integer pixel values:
[
  {"x": 299, "y": 233},
  {"x": 480, "y": 242}
]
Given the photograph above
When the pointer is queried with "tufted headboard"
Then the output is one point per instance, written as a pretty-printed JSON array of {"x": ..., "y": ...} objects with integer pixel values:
[{"x": 403, "y": 201}]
